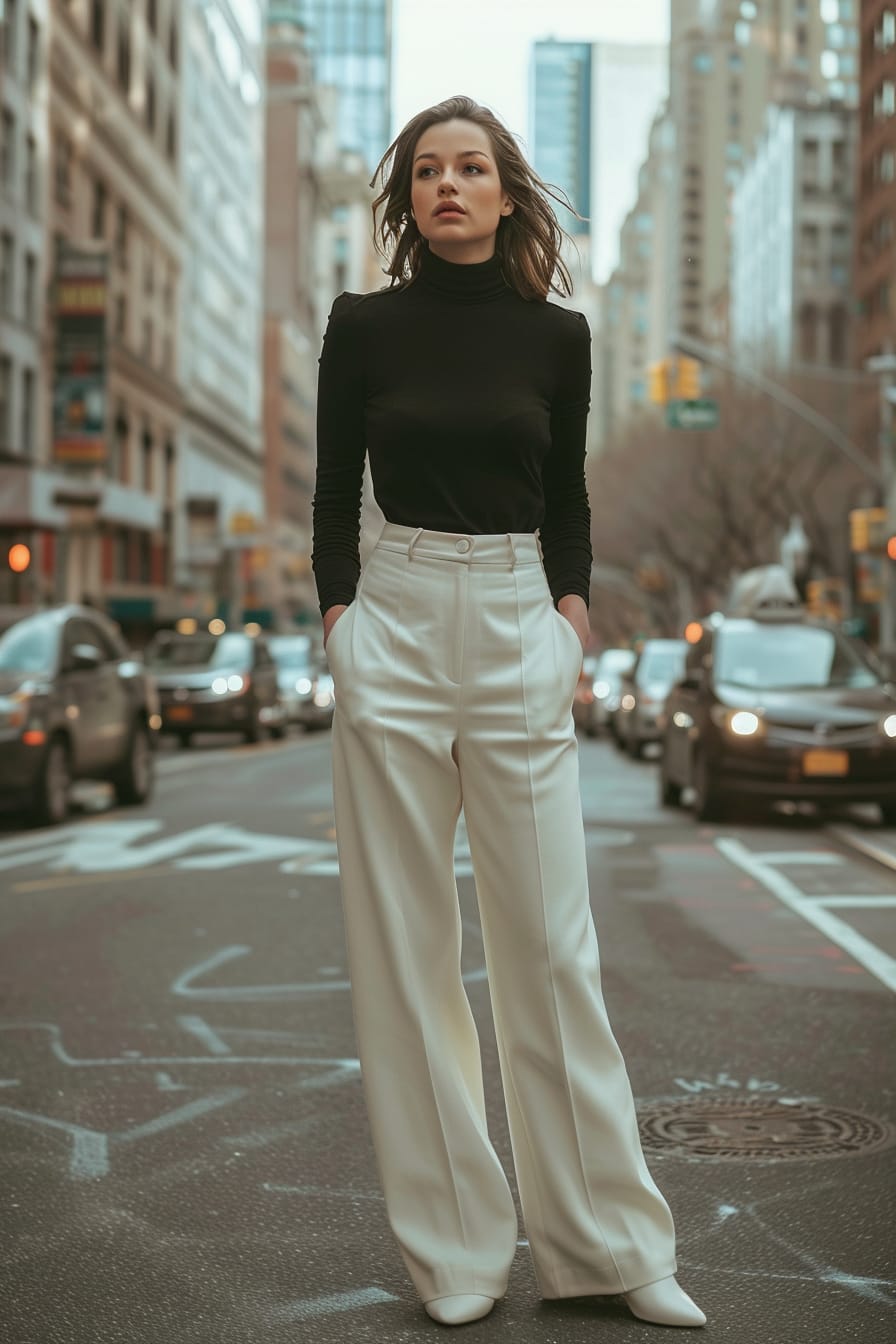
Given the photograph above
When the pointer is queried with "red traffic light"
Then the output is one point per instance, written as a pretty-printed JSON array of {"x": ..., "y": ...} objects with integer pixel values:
[
  {"x": 891, "y": 546},
  {"x": 19, "y": 558}
]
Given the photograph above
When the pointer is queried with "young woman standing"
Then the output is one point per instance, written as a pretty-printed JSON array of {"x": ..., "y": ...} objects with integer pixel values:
[{"x": 455, "y": 655}]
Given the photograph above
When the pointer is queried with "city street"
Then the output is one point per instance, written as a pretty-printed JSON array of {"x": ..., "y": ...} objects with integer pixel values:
[{"x": 185, "y": 1158}]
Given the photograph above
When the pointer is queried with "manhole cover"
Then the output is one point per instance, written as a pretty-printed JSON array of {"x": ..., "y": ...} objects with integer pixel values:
[{"x": 725, "y": 1129}]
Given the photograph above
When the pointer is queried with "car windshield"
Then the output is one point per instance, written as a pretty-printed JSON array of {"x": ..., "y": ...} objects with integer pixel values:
[
  {"x": 290, "y": 650},
  {"x": 789, "y": 657},
  {"x": 615, "y": 661},
  {"x": 664, "y": 665},
  {"x": 216, "y": 651},
  {"x": 27, "y": 646}
]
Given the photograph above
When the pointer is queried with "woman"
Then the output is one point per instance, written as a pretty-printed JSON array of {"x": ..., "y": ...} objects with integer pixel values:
[{"x": 455, "y": 655}]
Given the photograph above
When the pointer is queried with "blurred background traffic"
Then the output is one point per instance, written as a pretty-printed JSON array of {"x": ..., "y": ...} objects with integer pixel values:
[{"x": 185, "y": 187}]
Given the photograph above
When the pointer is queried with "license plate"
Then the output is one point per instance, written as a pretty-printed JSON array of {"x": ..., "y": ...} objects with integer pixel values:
[
  {"x": 181, "y": 713},
  {"x": 825, "y": 762}
]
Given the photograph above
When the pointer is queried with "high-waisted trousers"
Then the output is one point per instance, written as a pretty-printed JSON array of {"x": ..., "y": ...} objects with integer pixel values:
[{"x": 454, "y": 676}]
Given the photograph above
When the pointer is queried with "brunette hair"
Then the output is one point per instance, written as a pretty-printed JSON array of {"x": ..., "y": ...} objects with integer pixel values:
[{"x": 528, "y": 240}]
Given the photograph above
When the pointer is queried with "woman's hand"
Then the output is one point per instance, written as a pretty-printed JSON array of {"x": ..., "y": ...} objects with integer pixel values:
[
  {"x": 573, "y": 608},
  {"x": 331, "y": 616}
]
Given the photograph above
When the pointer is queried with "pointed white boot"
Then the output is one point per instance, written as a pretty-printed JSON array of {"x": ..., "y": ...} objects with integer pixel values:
[
  {"x": 459, "y": 1308},
  {"x": 664, "y": 1303}
]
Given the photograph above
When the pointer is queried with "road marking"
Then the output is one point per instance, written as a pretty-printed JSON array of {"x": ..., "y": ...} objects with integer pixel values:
[
  {"x": 862, "y": 950},
  {"x": 799, "y": 857},
  {"x": 309, "y": 1308},
  {"x": 857, "y": 902}
]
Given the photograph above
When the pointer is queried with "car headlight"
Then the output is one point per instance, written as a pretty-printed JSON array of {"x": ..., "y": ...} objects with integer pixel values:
[
  {"x": 601, "y": 690},
  {"x": 303, "y": 685},
  {"x": 889, "y": 726},
  {"x": 739, "y": 722},
  {"x": 627, "y": 702},
  {"x": 229, "y": 685}
]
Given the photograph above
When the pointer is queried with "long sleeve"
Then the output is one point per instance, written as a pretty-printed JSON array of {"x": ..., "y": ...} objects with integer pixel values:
[
  {"x": 566, "y": 530},
  {"x": 341, "y": 450}
]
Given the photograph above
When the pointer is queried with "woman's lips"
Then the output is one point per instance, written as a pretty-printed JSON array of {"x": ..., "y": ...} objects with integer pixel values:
[{"x": 451, "y": 213}]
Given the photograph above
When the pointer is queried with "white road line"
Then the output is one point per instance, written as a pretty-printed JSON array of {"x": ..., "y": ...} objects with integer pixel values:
[
  {"x": 857, "y": 902},
  {"x": 860, "y": 949},
  {"x": 854, "y": 839},
  {"x": 802, "y": 858}
]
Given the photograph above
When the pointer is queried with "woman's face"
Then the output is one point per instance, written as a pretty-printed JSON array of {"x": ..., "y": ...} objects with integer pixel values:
[{"x": 454, "y": 166}]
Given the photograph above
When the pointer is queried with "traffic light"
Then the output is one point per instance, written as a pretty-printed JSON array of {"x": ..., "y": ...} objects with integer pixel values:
[
  {"x": 687, "y": 379},
  {"x": 891, "y": 547},
  {"x": 867, "y": 529},
  {"x": 18, "y": 557},
  {"x": 659, "y": 382}
]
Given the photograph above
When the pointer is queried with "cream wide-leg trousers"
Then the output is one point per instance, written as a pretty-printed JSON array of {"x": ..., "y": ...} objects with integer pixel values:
[{"x": 454, "y": 677}]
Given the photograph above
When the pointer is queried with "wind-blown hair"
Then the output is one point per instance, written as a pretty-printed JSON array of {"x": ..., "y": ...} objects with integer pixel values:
[{"x": 528, "y": 240}]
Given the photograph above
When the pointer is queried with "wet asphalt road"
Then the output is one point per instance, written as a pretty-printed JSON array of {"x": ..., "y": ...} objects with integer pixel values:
[{"x": 184, "y": 1155}]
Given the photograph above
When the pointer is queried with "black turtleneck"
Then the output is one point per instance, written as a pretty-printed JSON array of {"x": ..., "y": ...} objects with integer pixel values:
[{"x": 471, "y": 402}]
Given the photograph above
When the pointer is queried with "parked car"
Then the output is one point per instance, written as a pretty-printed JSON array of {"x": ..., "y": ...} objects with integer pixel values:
[
  {"x": 776, "y": 705},
  {"x": 609, "y": 670},
  {"x": 583, "y": 698},
  {"x": 306, "y": 698},
  {"x": 74, "y": 704},
  {"x": 216, "y": 683},
  {"x": 643, "y": 690}
]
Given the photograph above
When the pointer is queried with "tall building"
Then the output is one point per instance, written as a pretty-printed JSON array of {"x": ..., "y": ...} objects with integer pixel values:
[
  {"x": 561, "y": 124},
  {"x": 317, "y": 243},
  {"x": 874, "y": 329},
  {"x": 729, "y": 59},
  {"x": 97, "y": 293},
  {"x": 26, "y": 513},
  {"x": 875, "y": 278},
  {"x": 350, "y": 42},
  {"x": 792, "y": 236},
  {"x": 221, "y": 497},
  {"x": 592, "y": 108}
]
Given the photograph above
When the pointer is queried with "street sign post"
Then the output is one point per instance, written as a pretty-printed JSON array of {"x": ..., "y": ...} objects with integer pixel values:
[{"x": 702, "y": 414}]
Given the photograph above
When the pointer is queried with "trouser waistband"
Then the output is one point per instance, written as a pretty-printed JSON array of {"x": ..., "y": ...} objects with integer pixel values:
[{"x": 499, "y": 548}]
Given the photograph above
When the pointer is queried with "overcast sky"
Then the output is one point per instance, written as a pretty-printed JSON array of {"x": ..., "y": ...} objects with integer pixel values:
[{"x": 481, "y": 47}]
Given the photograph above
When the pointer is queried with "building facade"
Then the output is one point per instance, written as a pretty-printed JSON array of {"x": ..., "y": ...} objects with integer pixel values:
[
  {"x": 592, "y": 108},
  {"x": 101, "y": 442},
  {"x": 875, "y": 258},
  {"x": 730, "y": 59},
  {"x": 792, "y": 238},
  {"x": 26, "y": 513},
  {"x": 221, "y": 500},
  {"x": 350, "y": 44}
]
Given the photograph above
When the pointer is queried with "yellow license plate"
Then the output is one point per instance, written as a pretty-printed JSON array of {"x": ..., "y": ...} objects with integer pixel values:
[
  {"x": 180, "y": 712},
  {"x": 825, "y": 762}
]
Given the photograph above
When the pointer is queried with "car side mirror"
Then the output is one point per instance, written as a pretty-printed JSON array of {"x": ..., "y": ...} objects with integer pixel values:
[{"x": 85, "y": 656}]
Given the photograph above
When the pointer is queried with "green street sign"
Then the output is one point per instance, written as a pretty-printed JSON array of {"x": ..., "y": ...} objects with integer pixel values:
[{"x": 692, "y": 414}]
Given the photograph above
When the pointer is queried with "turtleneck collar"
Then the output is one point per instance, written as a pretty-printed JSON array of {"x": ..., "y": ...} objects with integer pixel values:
[{"x": 473, "y": 282}]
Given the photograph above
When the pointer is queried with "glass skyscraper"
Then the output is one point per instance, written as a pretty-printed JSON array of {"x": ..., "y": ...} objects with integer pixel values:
[
  {"x": 350, "y": 43},
  {"x": 561, "y": 123}
]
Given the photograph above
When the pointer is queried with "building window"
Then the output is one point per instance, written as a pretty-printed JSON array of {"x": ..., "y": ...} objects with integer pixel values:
[
  {"x": 33, "y": 66},
  {"x": 63, "y": 168},
  {"x": 118, "y": 467},
  {"x": 5, "y": 399},
  {"x": 151, "y": 102},
  {"x": 152, "y": 16},
  {"x": 31, "y": 289},
  {"x": 124, "y": 56},
  {"x": 10, "y": 34},
  {"x": 146, "y": 476},
  {"x": 885, "y": 36},
  {"x": 808, "y": 332},
  {"x": 31, "y": 175},
  {"x": 98, "y": 209},
  {"x": 6, "y": 267},
  {"x": 169, "y": 473},
  {"x": 172, "y": 43},
  {"x": 8, "y": 149},
  {"x": 28, "y": 412},
  {"x": 98, "y": 24},
  {"x": 122, "y": 235},
  {"x": 885, "y": 99},
  {"x": 147, "y": 339},
  {"x": 171, "y": 137},
  {"x": 121, "y": 318}
]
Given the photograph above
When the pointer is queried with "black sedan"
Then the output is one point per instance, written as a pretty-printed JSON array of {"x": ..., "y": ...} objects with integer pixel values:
[
  {"x": 779, "y": 710},
  {"x": 74, "y": 704},
  {"x": 216, "y": 683}
]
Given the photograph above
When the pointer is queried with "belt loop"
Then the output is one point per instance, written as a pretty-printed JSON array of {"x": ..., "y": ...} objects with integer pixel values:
[
  {"x": 513, "y": 555},
  {"x": 413, "y": 542}
]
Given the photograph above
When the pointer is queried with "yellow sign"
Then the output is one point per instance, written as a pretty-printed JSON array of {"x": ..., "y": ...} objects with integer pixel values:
[{"x": 241, "y": 523}]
